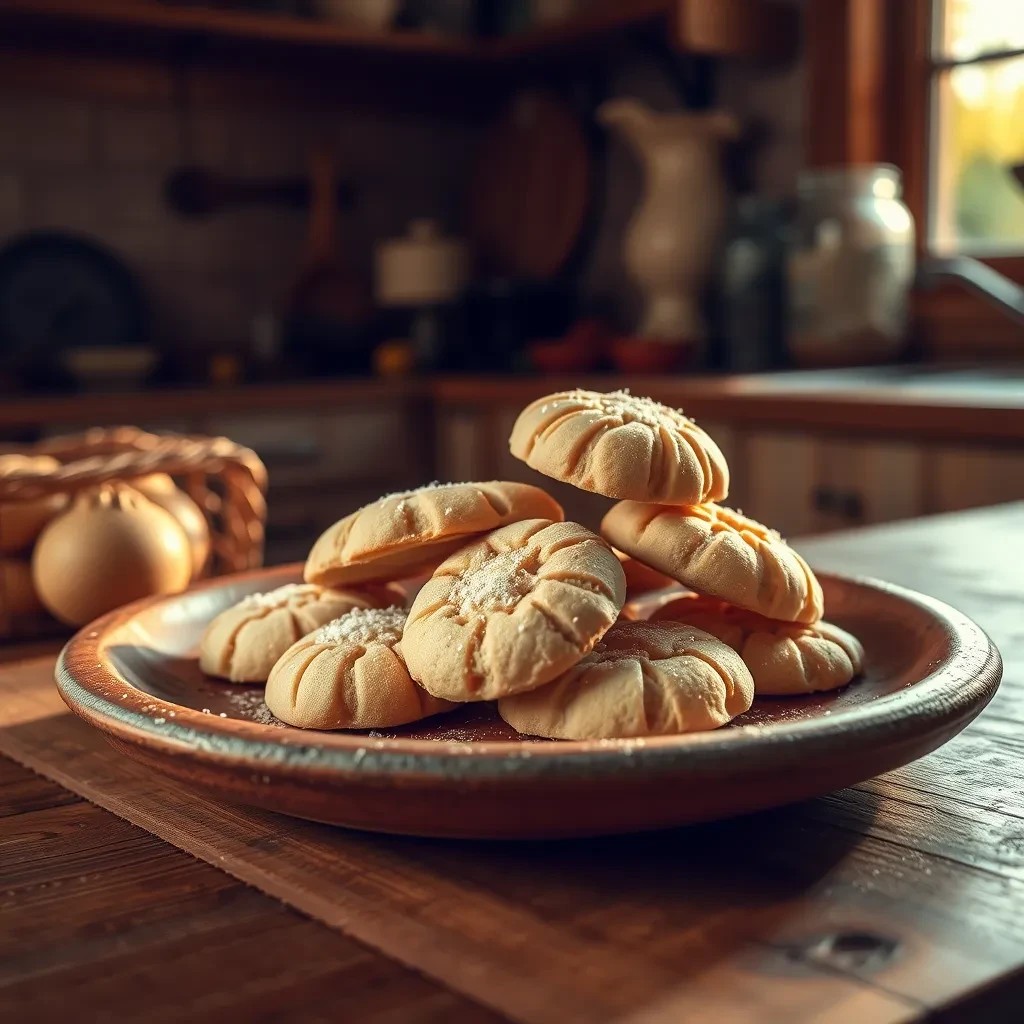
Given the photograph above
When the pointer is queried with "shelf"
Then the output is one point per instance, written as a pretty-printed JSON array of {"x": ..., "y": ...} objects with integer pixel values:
[
  {"x": 152, "y": 22},
  {"x": 741, "y": 28},
  {"x": 751, "y": 29}
]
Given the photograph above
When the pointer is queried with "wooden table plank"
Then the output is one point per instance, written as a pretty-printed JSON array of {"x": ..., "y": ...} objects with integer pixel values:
[{"x": 103, "y": 917}]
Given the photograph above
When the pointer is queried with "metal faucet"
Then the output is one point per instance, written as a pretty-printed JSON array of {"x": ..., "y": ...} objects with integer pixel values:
[{"x": 977, "y": 277}]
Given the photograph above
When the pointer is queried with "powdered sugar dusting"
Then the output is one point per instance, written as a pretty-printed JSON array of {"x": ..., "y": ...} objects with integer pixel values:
[
  {"x": 498, "y": 584},
  {"x": 432, "y": 486},
  {"x": 249, "y": 703},
  {"x": 280, "y": 597},
  {"x": 364, "y": 625},
  {"x": 629, "y": 408}
]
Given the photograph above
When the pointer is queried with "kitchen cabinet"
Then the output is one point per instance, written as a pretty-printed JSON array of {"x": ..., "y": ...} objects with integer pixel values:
[
  {"x": 776, "y": 480},
  {"x": 806, "y": 483},
  {"x": 969, "y": 476},
  {"x": 858, "y": 483}
]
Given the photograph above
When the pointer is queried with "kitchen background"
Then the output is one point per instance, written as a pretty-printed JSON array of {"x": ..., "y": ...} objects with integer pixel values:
[{"x": 358, "y": 236}]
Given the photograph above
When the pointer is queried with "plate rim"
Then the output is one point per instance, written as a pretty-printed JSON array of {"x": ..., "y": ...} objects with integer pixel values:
[{"x": 954, "y": 692}]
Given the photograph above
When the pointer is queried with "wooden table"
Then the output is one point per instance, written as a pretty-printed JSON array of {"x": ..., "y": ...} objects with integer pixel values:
[{"x": 894, "y": 900}]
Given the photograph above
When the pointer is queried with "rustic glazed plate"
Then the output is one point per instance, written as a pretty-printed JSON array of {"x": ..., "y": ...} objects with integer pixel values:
[{"x": 133, "y": 674}]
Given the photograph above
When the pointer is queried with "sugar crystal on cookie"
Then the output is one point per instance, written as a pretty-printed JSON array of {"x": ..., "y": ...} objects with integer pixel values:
[
  {"x": 363, "y": 625},
  {"x": 497, "y": 584},
  {"x": 279, "y": 596}
]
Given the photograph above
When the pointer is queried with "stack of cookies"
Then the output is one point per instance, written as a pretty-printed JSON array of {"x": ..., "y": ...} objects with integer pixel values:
[{"x": 525, "y": 609}]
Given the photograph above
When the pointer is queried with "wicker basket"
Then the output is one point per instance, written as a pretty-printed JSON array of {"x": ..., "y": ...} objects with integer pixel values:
[{"x": 228, "y": 482}]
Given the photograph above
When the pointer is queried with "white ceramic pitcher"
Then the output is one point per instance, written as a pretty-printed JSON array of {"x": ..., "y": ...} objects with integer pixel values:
[{"x": 670, "y": 243}]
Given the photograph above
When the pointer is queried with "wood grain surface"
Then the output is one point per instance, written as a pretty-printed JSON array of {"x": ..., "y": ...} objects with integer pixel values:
[
  {"x": 895, "y": 900},
  {"x": 139, "y": 930}
]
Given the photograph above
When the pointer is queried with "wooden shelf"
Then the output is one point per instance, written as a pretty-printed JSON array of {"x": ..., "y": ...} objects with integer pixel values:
[
  {"x": 153, "y": 22},
  {"x": 752, "y": 29},
  {"x": 741, "y": 28}
]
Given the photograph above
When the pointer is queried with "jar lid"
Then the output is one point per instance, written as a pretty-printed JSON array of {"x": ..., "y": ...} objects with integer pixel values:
[{"x": 881, "y": 180}]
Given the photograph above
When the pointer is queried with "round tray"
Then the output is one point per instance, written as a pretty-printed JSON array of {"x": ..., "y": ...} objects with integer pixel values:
[{"x": 133, "y": 674}]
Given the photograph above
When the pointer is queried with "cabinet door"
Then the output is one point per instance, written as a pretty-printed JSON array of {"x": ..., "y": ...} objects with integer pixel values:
[
  {"x": 803, "y": 484},
  {"x": 966, "y": 476},
  {"x": 780, "y": 481},
  {"x": 361, "y": 444},
  {"x": 463, "y": 451},
  {"x": 859, "y": 482}
]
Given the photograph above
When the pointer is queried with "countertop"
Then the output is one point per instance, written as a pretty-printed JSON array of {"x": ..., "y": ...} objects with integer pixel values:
[
  {"x": 899, "y": 899},
  {"x": 933, "y": 401}
]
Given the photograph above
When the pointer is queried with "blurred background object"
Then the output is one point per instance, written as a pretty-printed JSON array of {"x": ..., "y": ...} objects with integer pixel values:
[
  {"x": 850, "y": 268},
  {"x": 425, "y": 274},
  {"x": 671, "y": 240},
  {"x": 364, "y": 14},
  {"x": 751, "y": 294},
  {"x": 89, "y": 522},
  {"x": 354, "y": 236},
  {"x": 329, "y": 305}
]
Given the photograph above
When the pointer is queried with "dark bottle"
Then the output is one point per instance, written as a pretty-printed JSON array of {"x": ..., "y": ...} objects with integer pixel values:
[{"x": 752, "y": 288}]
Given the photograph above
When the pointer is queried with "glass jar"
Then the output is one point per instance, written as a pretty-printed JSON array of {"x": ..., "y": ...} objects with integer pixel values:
[{"x": 850, "y": 267}]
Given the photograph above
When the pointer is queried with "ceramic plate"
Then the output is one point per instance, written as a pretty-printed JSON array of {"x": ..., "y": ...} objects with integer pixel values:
[{"x": 134, "y": 675}]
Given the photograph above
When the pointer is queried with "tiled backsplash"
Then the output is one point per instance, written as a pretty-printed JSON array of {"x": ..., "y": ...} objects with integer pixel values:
[{"x": 98, "y": 168}]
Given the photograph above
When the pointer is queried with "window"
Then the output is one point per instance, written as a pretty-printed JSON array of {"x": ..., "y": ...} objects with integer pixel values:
[
  {"x": 935, "y": 87},
  {"x": 975, "y": 197}
]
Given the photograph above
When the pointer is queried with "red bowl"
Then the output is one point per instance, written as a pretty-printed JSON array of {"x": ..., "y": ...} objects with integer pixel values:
[{"x": 649, "y": 355}]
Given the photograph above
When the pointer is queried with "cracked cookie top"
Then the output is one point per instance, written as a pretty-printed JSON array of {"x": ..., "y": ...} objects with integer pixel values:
[
  {"x": 512, "y": 611},
  {"x": 622, "y": 446},
  {"x": 411, "y": 532},
  {"x": 641, "y": 679},
  {"x": 719, "y": 552},
  {"x": 349, "y": 674},
  {"x": 783, "y": 657},
  {"x": 244, "y": 641}
]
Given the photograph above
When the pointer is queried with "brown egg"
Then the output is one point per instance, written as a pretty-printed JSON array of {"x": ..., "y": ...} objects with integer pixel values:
[
  {"x": 17, "y": 594},
  {"x": 111, "y": 546},
  {"x": 21, "y": 521},
  {"x": 160, "y": 488}
]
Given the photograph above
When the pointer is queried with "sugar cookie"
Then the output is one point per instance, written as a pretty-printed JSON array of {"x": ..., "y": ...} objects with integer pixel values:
[
  {"x": 716, "y": 551},
  {"x": 349, "y": 674},
  {"x": 243, "y": 642},
  {"x": 408, "y": 533},
  {"x": 640, "y": 577},
  {"x": 621, "y": 446},
  {"x": 22, "y": 521},
  {"x": 783, "y": 657},
  {"x": 642, "y": 679},
  {"x": 512, "y": 611}
]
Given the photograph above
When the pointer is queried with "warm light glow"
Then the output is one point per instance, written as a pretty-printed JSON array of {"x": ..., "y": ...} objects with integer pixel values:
[
  {"x": 973, "y": 27},
  {"x": 978, "y": 205}
]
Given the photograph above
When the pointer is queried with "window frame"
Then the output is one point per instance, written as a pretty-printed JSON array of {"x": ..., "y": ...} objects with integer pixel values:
[
  {"x": 1010, "y": 264},
  {"x": 868, "y": 99}
]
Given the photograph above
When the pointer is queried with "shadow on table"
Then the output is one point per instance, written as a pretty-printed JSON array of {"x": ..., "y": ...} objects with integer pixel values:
[{"x": 699, "y": 892}]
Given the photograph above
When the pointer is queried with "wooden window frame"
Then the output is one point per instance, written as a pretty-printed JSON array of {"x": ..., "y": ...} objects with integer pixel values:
[{"x": 868, "y": 78}]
